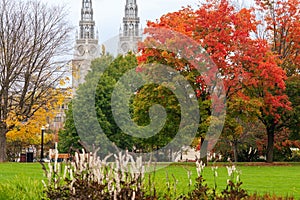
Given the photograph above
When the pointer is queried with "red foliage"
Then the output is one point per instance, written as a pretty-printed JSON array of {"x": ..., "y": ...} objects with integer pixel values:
[
  {"x": 282, "y": 21},
  {"x": 247, "y": 65}
]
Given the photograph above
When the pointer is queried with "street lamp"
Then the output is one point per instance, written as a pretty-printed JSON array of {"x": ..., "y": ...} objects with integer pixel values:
[{"x": 42, "y": 142}]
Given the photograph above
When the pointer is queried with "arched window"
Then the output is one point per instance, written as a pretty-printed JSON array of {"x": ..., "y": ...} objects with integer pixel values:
[
  {"x": 87, "y": 4},
  {"x": 87, "y": 32},
  {"x": 131, "y": 12},
  {"x": 86, "y": 16}
]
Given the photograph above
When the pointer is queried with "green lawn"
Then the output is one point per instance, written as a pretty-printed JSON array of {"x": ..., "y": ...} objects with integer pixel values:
[
  {"x": 23, "y": 180},
  {"x": 31, "y": 170},
  {"x": 279, "y": 180}
]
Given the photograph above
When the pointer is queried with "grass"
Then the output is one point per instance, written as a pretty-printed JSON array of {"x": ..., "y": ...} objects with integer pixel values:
[
  {"x": 23, "y": 180},
  {"x": 9, "y": 170},
  {"x": 279, "y": 180}
]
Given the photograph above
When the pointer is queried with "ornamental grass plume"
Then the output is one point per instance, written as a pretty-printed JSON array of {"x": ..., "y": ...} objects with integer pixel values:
[
  {"x": 199, "y": 167},
  {"x": 89, "y": 177}
]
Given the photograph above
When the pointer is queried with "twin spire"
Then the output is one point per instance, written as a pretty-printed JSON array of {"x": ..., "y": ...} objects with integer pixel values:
[
  {"x": 87, "y": 47},
  {"x": 130, "y": 33}
]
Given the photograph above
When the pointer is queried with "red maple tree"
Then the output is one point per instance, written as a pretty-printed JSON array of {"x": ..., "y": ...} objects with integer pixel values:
[{"x": 246, "y": 65}]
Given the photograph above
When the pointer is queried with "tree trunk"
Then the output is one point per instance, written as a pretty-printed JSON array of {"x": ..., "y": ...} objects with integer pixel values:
[
  {"x": 270, "y": 145},
  {"x": 3, "y": 131},
  {"x": 203, "y": 151},
  {"x": 235, "y": 151}
]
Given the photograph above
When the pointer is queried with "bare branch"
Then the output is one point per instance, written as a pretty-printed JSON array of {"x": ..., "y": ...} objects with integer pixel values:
[{"x": 33, "y": 40}]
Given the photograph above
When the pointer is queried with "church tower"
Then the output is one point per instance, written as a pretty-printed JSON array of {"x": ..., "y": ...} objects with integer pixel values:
[
  {"x": 86, "y": 47},
  {"x": 131, "y": 33}
]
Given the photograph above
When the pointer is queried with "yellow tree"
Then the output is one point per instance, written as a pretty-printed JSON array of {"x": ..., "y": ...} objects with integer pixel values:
[{"x": 28, "y": 132}]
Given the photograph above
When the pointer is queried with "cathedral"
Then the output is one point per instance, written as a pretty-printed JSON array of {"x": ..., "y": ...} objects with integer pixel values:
[{"x": 87, "y": 45}]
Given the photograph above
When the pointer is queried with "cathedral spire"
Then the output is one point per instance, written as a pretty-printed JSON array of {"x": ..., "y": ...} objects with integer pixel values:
[
  {"x": 86, "y": 47},
  {"x": 87, "y": 23},
  {"x": 131, "y": 20},
  {"x": 131, "y": 32}
]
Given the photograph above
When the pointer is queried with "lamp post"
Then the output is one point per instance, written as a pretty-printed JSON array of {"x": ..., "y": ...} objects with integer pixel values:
[{"x": 42, "y": 142}]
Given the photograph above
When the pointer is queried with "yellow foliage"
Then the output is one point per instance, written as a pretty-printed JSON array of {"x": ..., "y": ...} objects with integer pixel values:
[
  {"x": 28, "y": 131},
  {"x": 239, "y": 130},
  {"x": 62, "y": 82}
]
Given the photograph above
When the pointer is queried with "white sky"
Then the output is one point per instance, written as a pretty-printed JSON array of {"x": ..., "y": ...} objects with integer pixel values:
[{"x": 108, "y": 14}]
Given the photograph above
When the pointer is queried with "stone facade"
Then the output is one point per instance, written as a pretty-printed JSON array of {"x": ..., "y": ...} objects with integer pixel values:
[{"x": 86, "y": 47}]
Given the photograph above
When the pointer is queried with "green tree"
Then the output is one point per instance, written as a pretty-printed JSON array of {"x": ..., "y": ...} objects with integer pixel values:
[
  {"x": 240, "y": 114},
  {"x": 91, "y": 114},
  {"x": 293, "y": 118},
  {"x": 103, "y": 100},
  {"x": 165, "y": 67},
  {"x": 148, "y": 96},
  {"x": 68, "y": 137}
]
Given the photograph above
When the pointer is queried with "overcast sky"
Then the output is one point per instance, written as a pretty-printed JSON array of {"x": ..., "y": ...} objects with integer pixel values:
[{"x": 108, "y": 13}]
